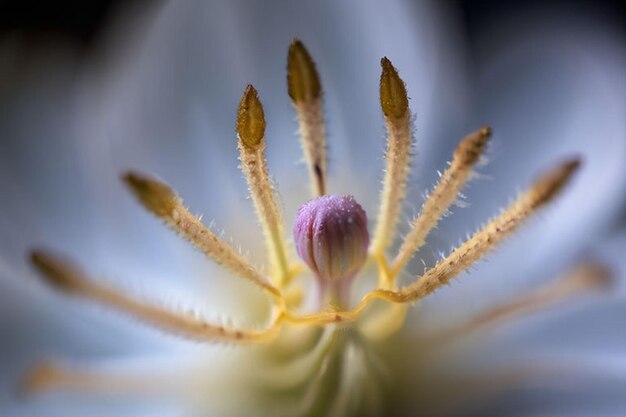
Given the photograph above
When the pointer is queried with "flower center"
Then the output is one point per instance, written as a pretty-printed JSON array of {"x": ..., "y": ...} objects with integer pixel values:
[{"x": 331, "y": 237}]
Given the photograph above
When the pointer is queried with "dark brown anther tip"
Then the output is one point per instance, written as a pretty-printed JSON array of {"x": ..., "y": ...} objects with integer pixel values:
[
  {"x": 250, "y": 119},
  {"x": 303, "y": 81},
  {"x": 393, "y": 97}
]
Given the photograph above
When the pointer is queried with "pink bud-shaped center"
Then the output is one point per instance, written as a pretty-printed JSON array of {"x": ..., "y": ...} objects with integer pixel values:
[{"x": 331, "y": 236}]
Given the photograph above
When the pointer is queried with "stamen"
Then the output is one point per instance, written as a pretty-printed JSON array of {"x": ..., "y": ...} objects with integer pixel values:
[
  {"x": 251, "y": 134},
  {"x": 69, "y": 279},
  {"x": 51, "y": 376},
  {"x": 395, "y": 106},
  {"x": 445, "y": 193},
  {"x": 304, "y": 87},
  {"x": 167, "y": 205},
  {"x": 541, "y": 192},
  {"x": 44, "y": 377},
  {"x": 580, "y": 280}
]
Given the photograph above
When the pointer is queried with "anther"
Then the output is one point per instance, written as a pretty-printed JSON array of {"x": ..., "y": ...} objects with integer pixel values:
[
  {"x": 393, "y": 97},
  {"x": 250, "y": 119},
  {"x": 303, "y": 82}
]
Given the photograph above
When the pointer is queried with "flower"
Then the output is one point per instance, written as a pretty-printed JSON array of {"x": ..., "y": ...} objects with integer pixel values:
[{"x": 228, "y": 384}]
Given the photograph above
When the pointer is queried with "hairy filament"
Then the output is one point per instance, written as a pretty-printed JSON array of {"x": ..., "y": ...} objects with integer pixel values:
[
  {"x": 251, "y": 144},
  {"x": 167, "y": 205},
  {"x": 304, "y": 87},
  {"x": 395, "y": 106},
  {"x": 581, "y": 280},
  {"x": 445, "y": 193},
  {"x": 69, "y": 279},
  {"x": 540, "y": 193},
  {"x": 339, "y": 316}
]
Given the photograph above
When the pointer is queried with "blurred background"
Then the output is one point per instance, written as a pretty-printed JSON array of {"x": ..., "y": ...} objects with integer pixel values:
[{"x": 84, "y": 23}]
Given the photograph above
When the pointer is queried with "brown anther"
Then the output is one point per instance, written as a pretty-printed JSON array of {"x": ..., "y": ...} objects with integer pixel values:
[
  {"x": 58, "y": 273},
  {"x": 472, "y": 146},
  {"x": 250, "y": 119},
  {"x": 549, "y": 185},
  {"x": 153, "y": 195},
  {"x": 303, "y": 81},
  {"x": 393, "y": 97}
]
